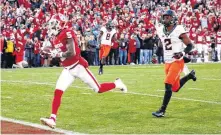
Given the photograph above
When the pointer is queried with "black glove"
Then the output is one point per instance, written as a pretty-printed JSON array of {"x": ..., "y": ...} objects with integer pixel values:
[
  {"x": 186, "y": 59},
  {"x": 178, "y": 55}
]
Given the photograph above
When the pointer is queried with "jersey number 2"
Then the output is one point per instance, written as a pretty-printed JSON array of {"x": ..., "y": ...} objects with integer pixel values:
[{"x": 168, "y": 45}]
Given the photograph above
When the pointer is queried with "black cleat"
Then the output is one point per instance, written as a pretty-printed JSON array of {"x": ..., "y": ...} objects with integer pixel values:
[
  {"x": 159, "y": 113},
  {"x": 100, "y": 71},
  {"x": 192, "y": 75}
]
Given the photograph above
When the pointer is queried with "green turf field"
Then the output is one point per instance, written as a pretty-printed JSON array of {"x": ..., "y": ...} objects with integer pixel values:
[{"x": 26, "y": 95}]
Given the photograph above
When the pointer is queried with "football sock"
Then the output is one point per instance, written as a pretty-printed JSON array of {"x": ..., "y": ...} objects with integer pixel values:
[
  {"x": 183, "y": 81},
  {"x": 53, "y": 116},
  {"x": 56, "y": 101},
  {"x": 106, "y": 87},
  {"x": 101, "y": 65},
  {"x": 167, "y": 96}
]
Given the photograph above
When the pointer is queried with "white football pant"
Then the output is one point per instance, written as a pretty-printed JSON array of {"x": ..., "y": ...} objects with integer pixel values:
[
  {"x": 205, "y": 50},
  {"x": 186, "y": 69},
  {"x": 67, "y": 77},
  {"x": 199, "y": 48},
  {"x": 218, "y": 51}
]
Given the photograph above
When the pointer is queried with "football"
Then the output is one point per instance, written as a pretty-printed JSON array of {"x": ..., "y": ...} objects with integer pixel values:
[{"x": 46, "y": 50}]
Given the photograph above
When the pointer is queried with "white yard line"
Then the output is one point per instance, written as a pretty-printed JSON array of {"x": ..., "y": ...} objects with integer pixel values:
[
  {"x": 195, "y": 89},
  {"x": 188, "y": 99},
  {"x": 39, "y": 126},
  {"x": 135, "y": 93},
  {"x": 188, "y": 88},
  {"x": 160, "y": 90},
  {"x": 212, "y": 79}
]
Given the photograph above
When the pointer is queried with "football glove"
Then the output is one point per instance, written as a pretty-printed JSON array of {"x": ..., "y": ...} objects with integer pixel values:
[
  {"x": 186, "y": 59},
  {"x": 54, "y": 53},
  {"x": 178, "y": 55}
]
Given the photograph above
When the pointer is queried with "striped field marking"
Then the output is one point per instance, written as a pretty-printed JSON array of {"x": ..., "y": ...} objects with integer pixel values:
[
  {"x": 40, "y": 126},
  {"x": 187, "y": 99},
  {"x": 195, "y": 89},
  {"x": 212, "y": 79},
  {"x": 134, "y": 93},
  {"x": 125, "y": 74}
]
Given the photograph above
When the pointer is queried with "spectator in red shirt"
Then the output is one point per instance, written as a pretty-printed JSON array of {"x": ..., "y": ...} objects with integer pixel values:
[
  {"x": 132, "y": 49},
  {"x": 114, "y": 52}
]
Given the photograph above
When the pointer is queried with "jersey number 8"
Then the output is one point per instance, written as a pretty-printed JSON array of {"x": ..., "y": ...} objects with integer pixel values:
[{"x": 108, "y": 36}]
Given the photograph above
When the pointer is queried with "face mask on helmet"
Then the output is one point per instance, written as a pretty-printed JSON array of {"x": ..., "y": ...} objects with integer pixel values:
[
  {"x": 169, "y": 18},
  {"x": 109, "y": 26},
  {"x": 55, "y": 25}
]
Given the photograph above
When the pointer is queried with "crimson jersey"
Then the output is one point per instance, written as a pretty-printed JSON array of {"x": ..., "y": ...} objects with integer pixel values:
[
  {"x": 187, "y": 23},
  {"x": 200, "y": 38},
  {"x": 195, "y": 23},
  {"x": 208, "y": 36},
  {"x": 59, "y": 43},
  {"x": 192, "y": 36},
  {"x": 218, "y": 37}
]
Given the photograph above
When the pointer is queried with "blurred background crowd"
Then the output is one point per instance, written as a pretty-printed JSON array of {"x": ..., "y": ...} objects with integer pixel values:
[{"x": 24, "y": 29}]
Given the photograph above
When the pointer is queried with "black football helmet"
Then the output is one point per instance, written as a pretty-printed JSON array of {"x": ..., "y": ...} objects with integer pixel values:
[
  {"x": 109, "y": 25},
  {"x": 167, "y": 21}
]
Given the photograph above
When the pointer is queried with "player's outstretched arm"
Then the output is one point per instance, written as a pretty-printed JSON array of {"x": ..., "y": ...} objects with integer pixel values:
[{"x": 70, "y": 48}]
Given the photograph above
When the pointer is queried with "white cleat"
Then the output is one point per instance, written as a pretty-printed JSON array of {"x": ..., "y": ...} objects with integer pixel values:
[
  {"x": 48, "y": 122},
  {"x": 120, "y": 85}
]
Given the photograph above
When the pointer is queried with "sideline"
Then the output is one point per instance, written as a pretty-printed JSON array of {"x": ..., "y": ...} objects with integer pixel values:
[{"x": 40, "y": 126}]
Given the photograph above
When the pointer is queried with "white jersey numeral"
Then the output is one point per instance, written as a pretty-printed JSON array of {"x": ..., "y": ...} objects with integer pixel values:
[{"x": 168, "y": 45}]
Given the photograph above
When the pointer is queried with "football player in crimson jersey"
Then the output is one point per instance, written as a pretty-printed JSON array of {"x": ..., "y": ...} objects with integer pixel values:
[
  {"x": 66, "y": 48},
  {"x": 173, "y": 36},
  {"x": 218, "y": 43},
  {"x": 106, "y": 36}
]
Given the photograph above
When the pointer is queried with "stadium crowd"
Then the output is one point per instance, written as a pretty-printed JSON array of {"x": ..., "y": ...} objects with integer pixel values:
[{"x": 24, "y": 29}]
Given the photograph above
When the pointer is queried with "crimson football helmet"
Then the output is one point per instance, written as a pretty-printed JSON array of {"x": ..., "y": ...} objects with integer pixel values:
[{"x": 56, "y": 24}]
